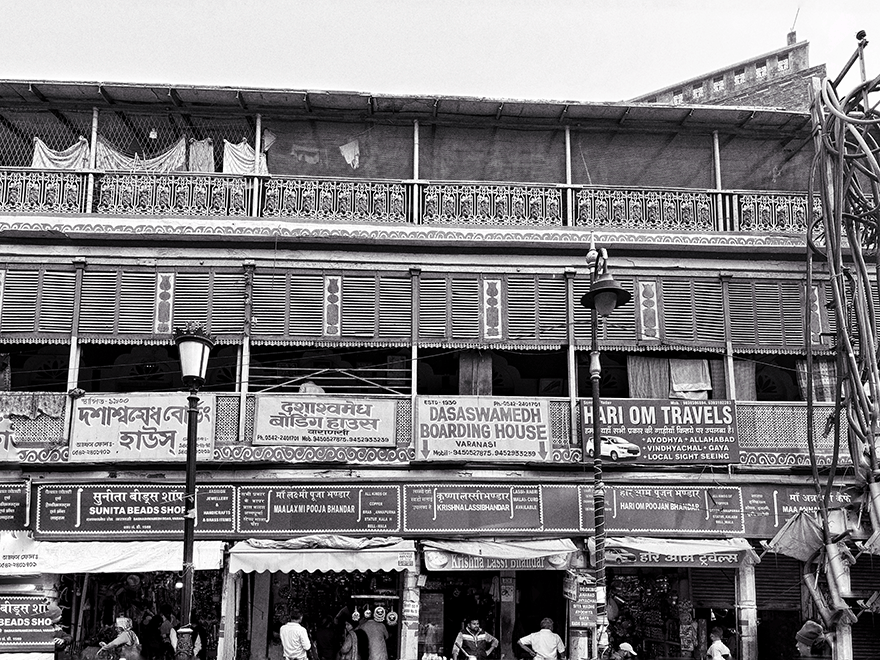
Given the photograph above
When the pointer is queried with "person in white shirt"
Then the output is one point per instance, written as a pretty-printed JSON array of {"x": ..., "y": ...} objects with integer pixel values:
[
  {"x": 294, "y": 638},
  {"x": 717, "y": 649},
  {"x": 544, "y": 644}
]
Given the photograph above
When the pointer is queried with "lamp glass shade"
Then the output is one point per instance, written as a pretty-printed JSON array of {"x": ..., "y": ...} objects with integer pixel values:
[
  {"x": 605, "y": 302},
  {"x": 194, "y": 352}
]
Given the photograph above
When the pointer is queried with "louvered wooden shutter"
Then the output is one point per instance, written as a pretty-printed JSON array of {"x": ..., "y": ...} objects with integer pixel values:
[
  {"x": 227, "y": 303},
  {"x": 395, "y": 306},
  {"x": 693, "y": 312},
  {"x": 191, "y": 299},
  {"x": 522, "y": 308},
  {"x": 270, "y": 305},
  {"x": 359, "y": 306},
  {"x": 306, "y": 301},
  {"x": 20, "y": 301},
  {"x": 37, "y": 301},
  {"x": 465, "y": 308},
  {"x": 619, "y": 328},
  {"x": 58, "y": 290},
  {"x": 552, "y": 310},
  {"x": 99, "y": 302},
  {"x": 766, "y": 314},
  {"x": 137, "y": 297},
  {"x": 433, "y": 310}
]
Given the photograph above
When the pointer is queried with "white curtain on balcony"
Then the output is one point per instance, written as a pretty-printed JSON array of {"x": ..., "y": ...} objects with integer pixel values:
[
  {"x": 201, "y": 155},
  {"x": 75, "y": 157},
  {"x": 172, "y": 160},
  {"x": 239, "y": 159}
]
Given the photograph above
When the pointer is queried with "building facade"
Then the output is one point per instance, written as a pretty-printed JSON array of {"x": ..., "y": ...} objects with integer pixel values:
[{"x": 397, "y": 420}]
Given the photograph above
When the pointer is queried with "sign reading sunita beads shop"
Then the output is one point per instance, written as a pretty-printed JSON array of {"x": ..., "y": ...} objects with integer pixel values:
[
  {"x": 315, "y": 420},
  {"x": 139, "y": 427},
  {"x": 492, "y": 429},
  {"x": 25, "y": 627}
]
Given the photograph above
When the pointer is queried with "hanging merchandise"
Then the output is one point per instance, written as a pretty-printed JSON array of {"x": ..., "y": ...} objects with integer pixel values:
[
  {"x": 75, "y": 157},
  {"x": 391, "y": 618},
  {"x": 109, "y": 159}
]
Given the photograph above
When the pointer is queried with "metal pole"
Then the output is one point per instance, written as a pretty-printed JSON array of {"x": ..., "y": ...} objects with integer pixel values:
[
  {"x": 184, "y": 634},
  {"x": 598, "y": 486}
]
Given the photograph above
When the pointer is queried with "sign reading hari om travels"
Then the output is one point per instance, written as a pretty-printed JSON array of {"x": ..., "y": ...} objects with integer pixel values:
[
  {"x": 139, "y": 427},
  {"x": 314, "y": 420}
]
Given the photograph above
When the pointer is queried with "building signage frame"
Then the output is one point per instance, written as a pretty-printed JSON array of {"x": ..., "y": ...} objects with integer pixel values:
[{"x": 24, "y": 625}]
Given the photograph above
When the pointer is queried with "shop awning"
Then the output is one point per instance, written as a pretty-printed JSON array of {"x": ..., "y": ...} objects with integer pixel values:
[
  {"x": 28, "y": 556},
  {"x": 498, "y": 554},
  {"x": 322, "y": 553},
  {"x": 696, "y": 553}
]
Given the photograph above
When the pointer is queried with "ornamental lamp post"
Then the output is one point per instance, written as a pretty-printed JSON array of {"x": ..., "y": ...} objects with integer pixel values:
[
  {"x": 605, "y": 295},
  {"x": 194, "y": 346}
]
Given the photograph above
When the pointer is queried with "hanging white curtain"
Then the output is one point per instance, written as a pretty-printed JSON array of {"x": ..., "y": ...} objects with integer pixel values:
[
  {"x": 172, "y": 160},
  {"x": 201, "y": 155},
  {"x": 239, "y": 159},
  {"x": 75, "y": 157}
]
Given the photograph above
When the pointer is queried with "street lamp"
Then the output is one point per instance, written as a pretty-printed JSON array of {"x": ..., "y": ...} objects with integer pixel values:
[
  {"x": 194, "y": 345},
  {"x": 605, "y": 295}
]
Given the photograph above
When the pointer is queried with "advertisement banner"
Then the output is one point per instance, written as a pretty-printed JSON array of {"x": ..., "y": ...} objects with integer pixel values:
[
  {"x": 139, "y": 427},
  {"x": 466, "y": 507},
  {"x": 664, "y": 431},
  {"x": 314, "y": 420},
  {"x": 473, "y": 428},
  {"x": 24, "y": 625}
]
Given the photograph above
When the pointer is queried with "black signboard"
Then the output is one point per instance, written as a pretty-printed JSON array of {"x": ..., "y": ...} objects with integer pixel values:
[
  {"x": 14, "y": 506},
  {"x": 24, "y": 625},
  {"x": 136, "y": 510},
  {"x": 271, "y": 509},
  {"x": 466, "y": 507}
]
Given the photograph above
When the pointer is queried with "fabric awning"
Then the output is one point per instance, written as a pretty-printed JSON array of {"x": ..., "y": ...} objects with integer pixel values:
[
  {"x": 696, "y": 553},
  {"x": 28, "y": 556},
  {"x": 330, "y": 553},
  {"x": 498, "y": 554}
]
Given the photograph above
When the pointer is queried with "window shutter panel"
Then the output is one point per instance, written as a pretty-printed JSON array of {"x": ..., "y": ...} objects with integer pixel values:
[
  {"x": 433, "y": 312},
  {"x": 552, "y": 309},
  {"x": 582, "y": 315},
  {"x": 57, "y": 295},
  {"x": 742, "y": 313},
  {"x": 306, "y": 305},
  {"x": 359, "y": 306},
  {"x": 395, "y": 306},
  {"x": 99, "y": 302},
  {"x": 466, "y": 308},
  {"x": 20, "y": 301},
  {"x": 621, "y": 325},
  {"x": 767, "y": 313},
  {"x": 137, "y": 302},
  {"x": 269, "y": 308},
  {"x": 709, "y": 312},
  {"x": 693, "y": 312},
  {"x": 227, "y": 308},
  {"x": 522, "y": 309},
  {"x": 792, "y": 305},
  {"x": 191, "y": 299}
]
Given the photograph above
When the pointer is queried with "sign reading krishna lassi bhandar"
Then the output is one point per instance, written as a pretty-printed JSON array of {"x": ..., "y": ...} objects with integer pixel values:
[{"x": 473, "y": 428}]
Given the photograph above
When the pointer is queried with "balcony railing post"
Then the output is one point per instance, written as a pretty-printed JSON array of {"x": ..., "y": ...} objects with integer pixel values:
[{"x": 93, "y": 145}]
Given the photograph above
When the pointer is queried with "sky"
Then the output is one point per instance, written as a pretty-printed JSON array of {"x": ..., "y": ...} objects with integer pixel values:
[{"x": 561, "y": 50}]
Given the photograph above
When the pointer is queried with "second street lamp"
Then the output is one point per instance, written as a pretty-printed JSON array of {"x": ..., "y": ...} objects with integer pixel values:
[
  {"x": 194, "y": 346},
  {"x": 605, "y": 295}
]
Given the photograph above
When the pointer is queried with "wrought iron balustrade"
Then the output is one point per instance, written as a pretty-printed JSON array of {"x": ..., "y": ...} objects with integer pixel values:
[
  {"x": 41, "y": 191},
  {"x": 491, "y": 204},
  {"x": 351, "y": 201},
  {"x": 658, "y": 210},
  {"x": 774, "y": 212},
  {"x": 173, "y": 194}
]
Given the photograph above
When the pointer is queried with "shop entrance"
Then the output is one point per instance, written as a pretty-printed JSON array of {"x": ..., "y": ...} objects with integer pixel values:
[{"x": 539, "y": 595}]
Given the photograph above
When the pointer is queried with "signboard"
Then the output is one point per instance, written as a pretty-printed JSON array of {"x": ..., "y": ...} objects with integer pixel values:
[
  {"x": 442, "y": 560},
  {"x": 8, "y": 450},
  {"x": 137, "y": 510},
  {"x": 313, "y": 420},
  {"x": 767, "y": 508},
  {"x": 664, "y": 431},
  {"x": 582, "y": 610},
  {"x": 466, "y": 507},
  {"x": 14, "y": 500},
  {"x": 138, "y": 427},
  {"x": 473, "y": 428},
  {"x": 270, "y": 509},
  {"x": 24, "y": 626},
  {"x": 570, "y": 586},
  {"x": 622, "y": 555}
]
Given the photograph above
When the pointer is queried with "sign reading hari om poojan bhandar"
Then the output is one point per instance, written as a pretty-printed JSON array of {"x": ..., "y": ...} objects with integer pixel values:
[{"x": 664, "y": 431}]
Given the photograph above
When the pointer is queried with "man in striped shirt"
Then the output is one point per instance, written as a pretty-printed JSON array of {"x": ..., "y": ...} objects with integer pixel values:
[{"x": 474, "y": 642}]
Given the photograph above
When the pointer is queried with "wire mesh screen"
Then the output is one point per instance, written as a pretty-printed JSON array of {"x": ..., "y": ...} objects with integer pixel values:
[
  {"x": 58, "y": 129},
  {"x": 448, "y": 153},
  {"x": 150, "y": 135},
  {"x": 343, "y": 149},
  {"x": 750, "y": 164},
  {"x": 642, "y": 160}
]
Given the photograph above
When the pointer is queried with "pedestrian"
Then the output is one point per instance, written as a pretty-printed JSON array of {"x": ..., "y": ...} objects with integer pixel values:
[
  {"x": 812, "y": 642},
  {"x": 294, "y": 638},
  {"x": 717, "y": 649},
  {"x": 377, "y": 633},
  {"x": 624, "y": 652},
  {"x": 475, "y": 642},
  {"x": 126, "y": 643},
  {"x": 168, "y": 623},
  {"x": 198, "y": 644},
  {"x": 348, "y": 650},
  {"x": 544, "y": 644}
]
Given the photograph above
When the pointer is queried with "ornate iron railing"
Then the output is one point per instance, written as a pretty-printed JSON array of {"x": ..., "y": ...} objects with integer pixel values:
[
  {"x": 174, "y": 194},
  {"x": 657, "y": 210},
  {"x": 774, "y": 212},
  {"x": 39, "y": 191},
  {"x": 352, "y": 201},
  {"x": 495, "y": 204}
]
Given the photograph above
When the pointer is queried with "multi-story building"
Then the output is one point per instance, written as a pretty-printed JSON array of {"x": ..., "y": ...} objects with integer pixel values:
[
  {"x": 397, "y": 413},
  {"x": 778, "y": 79}
]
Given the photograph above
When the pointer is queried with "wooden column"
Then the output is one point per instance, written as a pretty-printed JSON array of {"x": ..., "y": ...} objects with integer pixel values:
[
  {"x": 228, "y": 626},
  {"x": 507, "y": 614},
  {"x": 260, "y": 616},
  {"x": 747, "y": 608},
  {"x": 409, "y": 615}
]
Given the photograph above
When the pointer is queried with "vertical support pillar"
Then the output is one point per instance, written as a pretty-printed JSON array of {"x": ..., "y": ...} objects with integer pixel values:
[
  {"x": 719, "y": 205},
  {"x": 569, "y": 193},
  {"x": 93, "y": 145},
  {"x": 416, "y": 193},
  {"x": 258, "y": 151},
  {"x": 245, "y": 357},
  {"x": 409, "y": 615},
  {"x": 261, "y": 616},
  {"x": 747, "y": 608},
  {"x": 75, "y": 353},
  {"x": 228, "y": 628},
  {"x": 571, "y": 354},
  {"x": 507, "y": 615}
]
